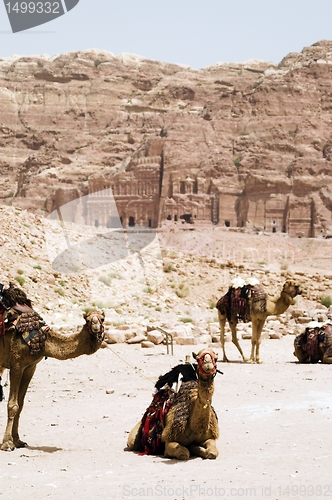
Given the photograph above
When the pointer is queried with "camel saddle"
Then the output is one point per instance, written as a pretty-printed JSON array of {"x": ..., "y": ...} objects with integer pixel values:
[
  {"x": 239, "y": 302},
  {"x": 30, "y": 325},
  {"x": 2, "y": 321},
  {"x": 153, "y": 424},
  {"x": 310, "y": 340}
]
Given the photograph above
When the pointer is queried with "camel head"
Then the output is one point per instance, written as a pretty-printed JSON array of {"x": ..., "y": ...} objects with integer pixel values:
[
  {"x": 94, "y": 320},
  {"x": 207, "y": 363},
  {"x": 292, "y": 288}
]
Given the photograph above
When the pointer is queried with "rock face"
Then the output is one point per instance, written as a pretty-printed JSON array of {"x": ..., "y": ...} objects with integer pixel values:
[{"x": 246, "y": 145}]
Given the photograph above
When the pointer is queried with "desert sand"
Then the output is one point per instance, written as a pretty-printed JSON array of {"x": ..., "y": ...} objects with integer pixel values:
[
  {"x": 275, "y": 422},
  {"x": 275, "y": 418}
]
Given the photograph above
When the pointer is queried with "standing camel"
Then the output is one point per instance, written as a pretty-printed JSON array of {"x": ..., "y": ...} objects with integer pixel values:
[
  {"x": 251, "y": 303},
  {"x": 21, "y": 358},
  {"x": 187, "y": 423}
]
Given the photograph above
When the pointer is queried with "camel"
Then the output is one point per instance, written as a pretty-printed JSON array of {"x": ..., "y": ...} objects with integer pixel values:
[
  {"x": 21, "y": 359},
  {"x": 187, "y": 423},
  {"x": 249, "y": 302},
  {"x": 314, "y": 344}
]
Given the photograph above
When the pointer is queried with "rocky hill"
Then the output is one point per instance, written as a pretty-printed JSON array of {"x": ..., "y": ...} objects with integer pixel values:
[
  {"x": 173, "y": 283},
  {"x": 232, "y": 144}
]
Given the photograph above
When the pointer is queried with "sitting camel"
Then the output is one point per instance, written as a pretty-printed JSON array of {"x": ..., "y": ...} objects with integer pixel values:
[
  {"x": 314, "y": 344},
  {"x": 249, "y": 302},
  {"x": 183, "y": 423},
  {"x": 25, "y": 340}
]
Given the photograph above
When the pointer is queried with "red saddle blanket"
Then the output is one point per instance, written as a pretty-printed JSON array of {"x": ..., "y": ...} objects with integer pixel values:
[
  {"x": 238, "y": 302},
  {"x": 310, "y": 340},
  {"x": 153, "y": 424}
]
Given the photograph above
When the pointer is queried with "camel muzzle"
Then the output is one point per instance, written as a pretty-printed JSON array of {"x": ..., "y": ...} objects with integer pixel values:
[
  {"x": 96, "y": 328},
  {"x": 207, "y": 365}
]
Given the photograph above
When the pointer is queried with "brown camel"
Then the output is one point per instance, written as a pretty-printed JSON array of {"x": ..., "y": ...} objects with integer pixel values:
[
  {"x": 21, "y": 359},
  {"x": 189, "y": 426},
  {"x": 251, "y": 303},
  {"x": 314, "y": 344}
]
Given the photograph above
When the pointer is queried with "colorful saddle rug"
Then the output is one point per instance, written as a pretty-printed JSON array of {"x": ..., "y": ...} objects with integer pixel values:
[
  {"x": 30, "y": 326},
  {"x": 153, "y": 424},
  {"x": 153, "y": 420},
  {"x": 311, "y": 339},
  {"x": 2, "y": 322},
  {"x": 239, "y": 302}
]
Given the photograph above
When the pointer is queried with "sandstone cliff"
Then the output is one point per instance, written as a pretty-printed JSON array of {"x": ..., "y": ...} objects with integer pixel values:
[{"x": 232, "y": 144}]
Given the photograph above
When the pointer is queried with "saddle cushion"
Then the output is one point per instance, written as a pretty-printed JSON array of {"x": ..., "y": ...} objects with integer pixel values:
[{"x": 33, "y": 330}]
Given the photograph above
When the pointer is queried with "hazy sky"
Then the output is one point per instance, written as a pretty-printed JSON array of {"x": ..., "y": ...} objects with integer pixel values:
[{"x": 194, "y": 32}]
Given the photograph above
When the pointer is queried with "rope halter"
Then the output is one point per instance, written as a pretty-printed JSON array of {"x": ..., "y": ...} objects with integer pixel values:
[
  {"x": 95, "y": 325},
  {"x": 296, "y": 290},
  {"x": 207, "y": 364}
]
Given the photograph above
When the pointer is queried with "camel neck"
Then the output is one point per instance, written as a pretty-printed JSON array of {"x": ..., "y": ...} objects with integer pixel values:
[
  {"x": 283, "y": 302},
  {"x": 202, "y": 405},
  {"x": 62, "y": 346},
  {"x": 279, "y": 305}
]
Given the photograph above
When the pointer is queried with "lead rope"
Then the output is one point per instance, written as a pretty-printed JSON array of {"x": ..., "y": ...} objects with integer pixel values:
[{"x": 131, "y": 366}]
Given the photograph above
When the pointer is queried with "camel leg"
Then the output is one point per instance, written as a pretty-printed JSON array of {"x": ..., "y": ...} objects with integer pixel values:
[
  {"x": 15, "y": 376},
  {"x": 25, "y": 381},
  {"x": 233, "y": 325},
  {"x": 222, "y": 322},
  {"x": 175, "y": 450},
  {"x": 300, "y": 355},
  {"x": 208, "y": 449},
  {"x": 327, "y": 359},
  {"x": 257, "y": 327},
  {"x": 259, "y": 334},
  {"x": 133, "y": 438}
]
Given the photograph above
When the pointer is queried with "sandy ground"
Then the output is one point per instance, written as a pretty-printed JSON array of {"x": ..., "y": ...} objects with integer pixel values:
[{"x": 275, "y": 421}]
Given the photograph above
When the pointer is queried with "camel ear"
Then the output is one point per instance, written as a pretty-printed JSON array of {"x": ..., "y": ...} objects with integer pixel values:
[
  {"x": 194, "y": 355},
  {"x": 85, "y": 314},
  {"x": 103, "y": 314}
]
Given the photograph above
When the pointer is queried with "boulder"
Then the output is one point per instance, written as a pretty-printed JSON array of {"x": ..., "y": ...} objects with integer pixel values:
[
  {"x": 189, "y": 340},
  {"x": 275, "y": 335},
  {"x": 205, "y": 339},
  {"x": 155, "y": 336},
  {"x": 137, "y": 339},
  {"x": 147, "y": 344},
  {"x": 115, "y": 337},
  {"x": 303, "y": 320}
]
